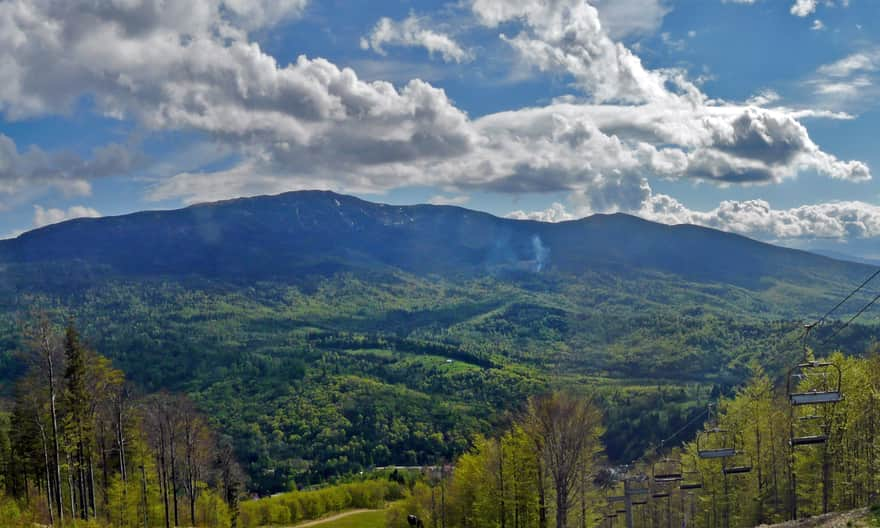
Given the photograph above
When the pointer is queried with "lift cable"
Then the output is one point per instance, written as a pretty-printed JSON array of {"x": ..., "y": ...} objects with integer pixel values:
[
  {"x": 691, "y": 422},
  {"x": 848, "y": 297},
  {"x": 659, "y": 445},
  {"x": 809, "y": 327},
  {"x": 851, "y": 319}
]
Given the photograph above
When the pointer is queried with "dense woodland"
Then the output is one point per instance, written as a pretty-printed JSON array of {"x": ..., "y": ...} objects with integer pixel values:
[
  {"x": 547, "y": 469},
  {"x": 81, "y": 446},
  {"x": 318, "y": 381}
]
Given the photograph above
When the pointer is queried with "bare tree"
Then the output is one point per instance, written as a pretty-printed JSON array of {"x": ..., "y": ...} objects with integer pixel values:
[
  {"x": 31, "y": 401},
  {"x": 158, "y": 410},
  {"x": 197, "y": 446},
  {"x": 44, "y": 351},
  {"x": 566, "y": 432},
  {"x": 231, "y": 477}
]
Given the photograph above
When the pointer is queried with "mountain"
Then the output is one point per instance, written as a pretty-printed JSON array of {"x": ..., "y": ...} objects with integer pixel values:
[
  {"x": 324, "y": 334},
  {"x": 312, "y": 232}
]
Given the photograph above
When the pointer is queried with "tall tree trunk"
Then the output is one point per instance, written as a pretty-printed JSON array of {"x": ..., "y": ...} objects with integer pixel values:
[
  {"x": 144, "y": 489},
  {"x": 191, "y": 470},
  {"x": 561, "y": 506},
  {"x": 872, "y": 467},
  {"x": 48, "y": 472},
  {"x": 163, "y": 475},
  {"x": 81, "y": 477},
  {"x": 192, "y": 505},
  {"x": 826, "y": 480},
  {"x": 120, "y": 442},
  {"x": 760, "y": 513},
  {"x": 105, "y": 481},
  {"x": 54, "y": 414},
  {"x": 171, "y": 442},
  {"x": 775, "y": 469},
  {"x": 501, "y": 481},
  {"x": 516, "y": 497},
  {"x": 72, "y": 487},
  {"x": 92, "y": 485},
  {"x": 542, "y": 496}
]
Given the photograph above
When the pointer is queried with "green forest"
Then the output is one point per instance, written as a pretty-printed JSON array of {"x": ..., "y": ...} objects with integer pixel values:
[
  {"x": 549, "y": 468},
  {"x": 297, "y": 386},
  {"x": 315, "y": 382},
  {"x": 81, "y": 446}
]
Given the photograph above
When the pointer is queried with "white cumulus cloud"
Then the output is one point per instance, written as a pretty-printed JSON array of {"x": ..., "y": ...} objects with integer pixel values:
[
  {"x": 313, "y": 124},
  {"x": 46, "y": 216},
  {"x": 840, "y": 220},
  {"x": 625, "y": 18},
  {"x": 803, "y": 8},
  {"x": 411, "y": 32},
  {"x": 555, "y": 213},
  {"x": 440, "y": 199}
]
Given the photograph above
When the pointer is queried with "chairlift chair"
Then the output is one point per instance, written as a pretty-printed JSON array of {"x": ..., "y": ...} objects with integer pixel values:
[
  {"x": 664, "y": 474},
  {"x": 638, "y": 485},
  {"x": 812, "y": 385},
  {"x": 660, "y": 494},
  {"x": 692, "y": 479},
  {"x": 688, "y": 486},
  {"x": 667, "y": 470},
  {"x": 822, "y": 380},
  {"x": 715, "y": 443},
  {"x": 806, "y": 439},
  {"x": 740, "y": 464}
]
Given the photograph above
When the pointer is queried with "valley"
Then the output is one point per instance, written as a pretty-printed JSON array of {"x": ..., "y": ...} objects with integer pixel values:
[{"x": 403, "y": 358}]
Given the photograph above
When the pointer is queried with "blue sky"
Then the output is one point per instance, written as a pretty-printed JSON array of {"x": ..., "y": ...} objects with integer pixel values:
[{"x": 756, "y": 117}]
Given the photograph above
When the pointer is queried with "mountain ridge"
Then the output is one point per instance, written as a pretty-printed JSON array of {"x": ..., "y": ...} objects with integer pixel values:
[{"x": 322, "y": 231}]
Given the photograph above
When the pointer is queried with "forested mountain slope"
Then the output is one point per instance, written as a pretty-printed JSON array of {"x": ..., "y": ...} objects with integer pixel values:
[
  {"x": 325, "y": 334},
  {"x": 284, "y": 236}
]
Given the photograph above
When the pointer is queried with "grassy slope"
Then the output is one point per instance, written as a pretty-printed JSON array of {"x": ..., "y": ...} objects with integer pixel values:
[{"x": 367, "y": 519}]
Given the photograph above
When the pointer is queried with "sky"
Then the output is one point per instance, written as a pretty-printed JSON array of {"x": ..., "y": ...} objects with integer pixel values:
[{"x": 751, "y": 116}]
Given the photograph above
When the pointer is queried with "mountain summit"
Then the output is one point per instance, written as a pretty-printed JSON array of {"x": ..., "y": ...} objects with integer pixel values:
[{"x": 320, "y": 232}]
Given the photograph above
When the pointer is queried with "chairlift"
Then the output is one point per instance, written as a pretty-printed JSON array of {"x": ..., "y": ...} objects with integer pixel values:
[
  {"x": 667, "y": 470},
  {"x": 804, "y": 422},
  {"x": 737, "y": 470},
  {"x": 638, "y": 485},
  {"x": 692, "y": 479},
  {"x": 715, "y": 443},
  {"x": 660, "y": 494},
  {"x": 741, "y": 463},
  {"x": 814, "y": 383}
]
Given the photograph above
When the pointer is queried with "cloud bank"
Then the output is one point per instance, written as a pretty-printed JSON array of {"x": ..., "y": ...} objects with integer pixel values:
[
  {"x": 46, "y": 216},
  {"x": 312, "y": 124},
  {"x": 754, "y": 218}
]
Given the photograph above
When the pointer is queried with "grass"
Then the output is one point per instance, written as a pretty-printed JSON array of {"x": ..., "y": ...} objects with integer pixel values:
[{"x": 370, "y": 519}]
